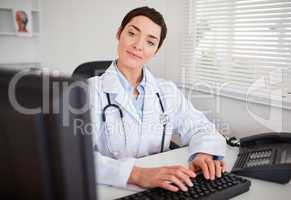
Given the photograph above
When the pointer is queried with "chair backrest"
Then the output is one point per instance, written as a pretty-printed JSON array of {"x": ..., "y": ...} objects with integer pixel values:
[{"x": 90, "y": 69}]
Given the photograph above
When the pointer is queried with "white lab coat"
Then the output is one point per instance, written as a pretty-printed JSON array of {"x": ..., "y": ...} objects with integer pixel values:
[{"x": 114, "y": 159}]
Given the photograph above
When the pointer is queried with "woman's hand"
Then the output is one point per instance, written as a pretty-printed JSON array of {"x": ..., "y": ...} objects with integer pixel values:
[
  {"x": 210, "y": 168},
  {"x": 170, "y": 178}
]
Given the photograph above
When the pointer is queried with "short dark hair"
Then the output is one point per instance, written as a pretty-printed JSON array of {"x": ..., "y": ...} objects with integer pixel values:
[{"x": 150, "y": 13}]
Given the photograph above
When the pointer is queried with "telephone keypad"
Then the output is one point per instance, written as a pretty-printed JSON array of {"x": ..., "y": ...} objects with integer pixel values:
[
  {"x": 255, "y": 158},
  {"x": 261, "y": 154},
  {"x": 259, "y": 158}
]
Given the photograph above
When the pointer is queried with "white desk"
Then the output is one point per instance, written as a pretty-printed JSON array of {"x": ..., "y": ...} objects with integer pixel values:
[{"x": 258, "y": 190}]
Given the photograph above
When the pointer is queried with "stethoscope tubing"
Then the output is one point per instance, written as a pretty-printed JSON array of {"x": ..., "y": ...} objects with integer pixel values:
[
  {"x": 121, "y": 116},
  {"x": 164, "y": 125}
]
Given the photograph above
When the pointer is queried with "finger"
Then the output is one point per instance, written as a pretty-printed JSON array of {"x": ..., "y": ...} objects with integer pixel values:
[
  {"x": 218, "y": 168},
  {"x": 211, "y": 167},
  {"x": 168, "y": 186},
  {"x": 177, "y": 182},
  {"x": 186, "y": 171},
  {"x": 183, "y": 177},
  {"x": 222, "y": 164},
  {"x": 204, "y": 168},
  {"x": 193, "y": 168}
]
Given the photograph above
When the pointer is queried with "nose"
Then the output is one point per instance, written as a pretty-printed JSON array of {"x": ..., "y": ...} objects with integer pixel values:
[{"x": 138, "y": 44}]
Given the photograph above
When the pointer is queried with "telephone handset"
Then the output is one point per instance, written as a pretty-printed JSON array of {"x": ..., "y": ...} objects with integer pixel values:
[{"x": 265, "y": 156}]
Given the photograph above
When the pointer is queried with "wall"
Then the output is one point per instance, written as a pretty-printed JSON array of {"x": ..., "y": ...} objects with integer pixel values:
[
  {"x": 19, "y": 49},
  {"x": 73, "y": 32},
  {"x": 76, "y": 31},
  {"x": 240, "y": 117},
  {"x": 174, "y": 42}
]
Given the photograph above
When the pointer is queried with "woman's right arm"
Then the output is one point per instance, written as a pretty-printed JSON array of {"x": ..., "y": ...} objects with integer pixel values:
[
  {"x": 170, "y": 178},
  {"x": 113, "y": 172}
]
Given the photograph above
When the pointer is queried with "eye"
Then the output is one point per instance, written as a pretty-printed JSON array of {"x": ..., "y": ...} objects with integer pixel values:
[
  {"x": 130, "y": 33},
  {"x": 151, "y": 43}
]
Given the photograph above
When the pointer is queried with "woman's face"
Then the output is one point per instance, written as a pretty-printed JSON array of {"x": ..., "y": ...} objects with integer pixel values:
[{"x": 138, "y": 42}]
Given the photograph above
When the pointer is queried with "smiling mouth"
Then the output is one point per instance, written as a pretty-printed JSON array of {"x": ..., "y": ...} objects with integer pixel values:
[{"x": 134, "y": 55}]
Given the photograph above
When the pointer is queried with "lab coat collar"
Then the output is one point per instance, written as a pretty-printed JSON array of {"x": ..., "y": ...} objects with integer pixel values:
[{"x": 111, "y": 84}]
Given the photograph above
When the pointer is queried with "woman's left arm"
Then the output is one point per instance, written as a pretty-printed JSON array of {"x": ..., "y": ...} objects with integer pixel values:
[{"x": 205, "y": 143}]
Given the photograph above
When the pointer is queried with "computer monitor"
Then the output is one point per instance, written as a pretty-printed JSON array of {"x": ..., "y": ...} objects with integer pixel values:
[{"x": 42, "y": 153}]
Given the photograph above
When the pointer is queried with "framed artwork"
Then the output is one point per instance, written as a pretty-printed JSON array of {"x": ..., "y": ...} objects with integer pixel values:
[{"x": 23, "y": 22}]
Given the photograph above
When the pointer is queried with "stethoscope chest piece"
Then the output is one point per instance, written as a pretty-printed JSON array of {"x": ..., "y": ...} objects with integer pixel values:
[{"x": 164, "y": 119}]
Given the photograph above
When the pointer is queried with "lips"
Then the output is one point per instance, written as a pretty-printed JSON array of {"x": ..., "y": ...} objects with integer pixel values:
[{"x": 134, "y": 55}]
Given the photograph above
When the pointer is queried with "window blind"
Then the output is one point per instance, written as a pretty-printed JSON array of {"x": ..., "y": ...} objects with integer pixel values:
[{"x": 239, "y": 47}]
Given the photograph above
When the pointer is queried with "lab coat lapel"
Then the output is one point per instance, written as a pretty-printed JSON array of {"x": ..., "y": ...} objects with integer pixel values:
[
  {"x": 151, "y": 102},
  {"x": 112, "y": 85}
]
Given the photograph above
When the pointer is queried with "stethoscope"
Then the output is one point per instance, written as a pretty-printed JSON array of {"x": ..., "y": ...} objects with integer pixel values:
[{"x": 163, "y": 118}]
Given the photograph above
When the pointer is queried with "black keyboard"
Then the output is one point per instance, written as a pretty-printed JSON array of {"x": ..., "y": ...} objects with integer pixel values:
[{"x": 226, "y": 187}]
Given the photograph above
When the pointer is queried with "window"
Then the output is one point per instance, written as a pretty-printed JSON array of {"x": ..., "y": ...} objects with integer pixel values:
[{"x": 240, "y": 48}]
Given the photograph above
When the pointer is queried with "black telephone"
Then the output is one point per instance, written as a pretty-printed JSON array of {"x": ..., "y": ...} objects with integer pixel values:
[{"x": 265, "y": 156}]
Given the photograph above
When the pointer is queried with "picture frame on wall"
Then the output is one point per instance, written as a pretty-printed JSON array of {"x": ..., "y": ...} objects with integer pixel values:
[{"x": 23, "y": 22}]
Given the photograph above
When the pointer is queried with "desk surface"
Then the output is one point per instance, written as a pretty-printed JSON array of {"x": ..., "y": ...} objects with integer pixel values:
[{"x": 258, "y": 190}]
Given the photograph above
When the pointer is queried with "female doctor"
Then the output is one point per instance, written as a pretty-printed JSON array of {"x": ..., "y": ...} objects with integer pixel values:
[{"x": 134, "y": 114}]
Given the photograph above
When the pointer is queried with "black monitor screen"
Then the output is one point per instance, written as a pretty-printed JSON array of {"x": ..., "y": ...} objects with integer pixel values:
[{"x": 42, "y": 153}]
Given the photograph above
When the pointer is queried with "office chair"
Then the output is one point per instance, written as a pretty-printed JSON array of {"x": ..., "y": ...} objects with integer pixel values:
[
  {"x": 97, "y": 68},
  {"x": 90, "y": 69}
]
